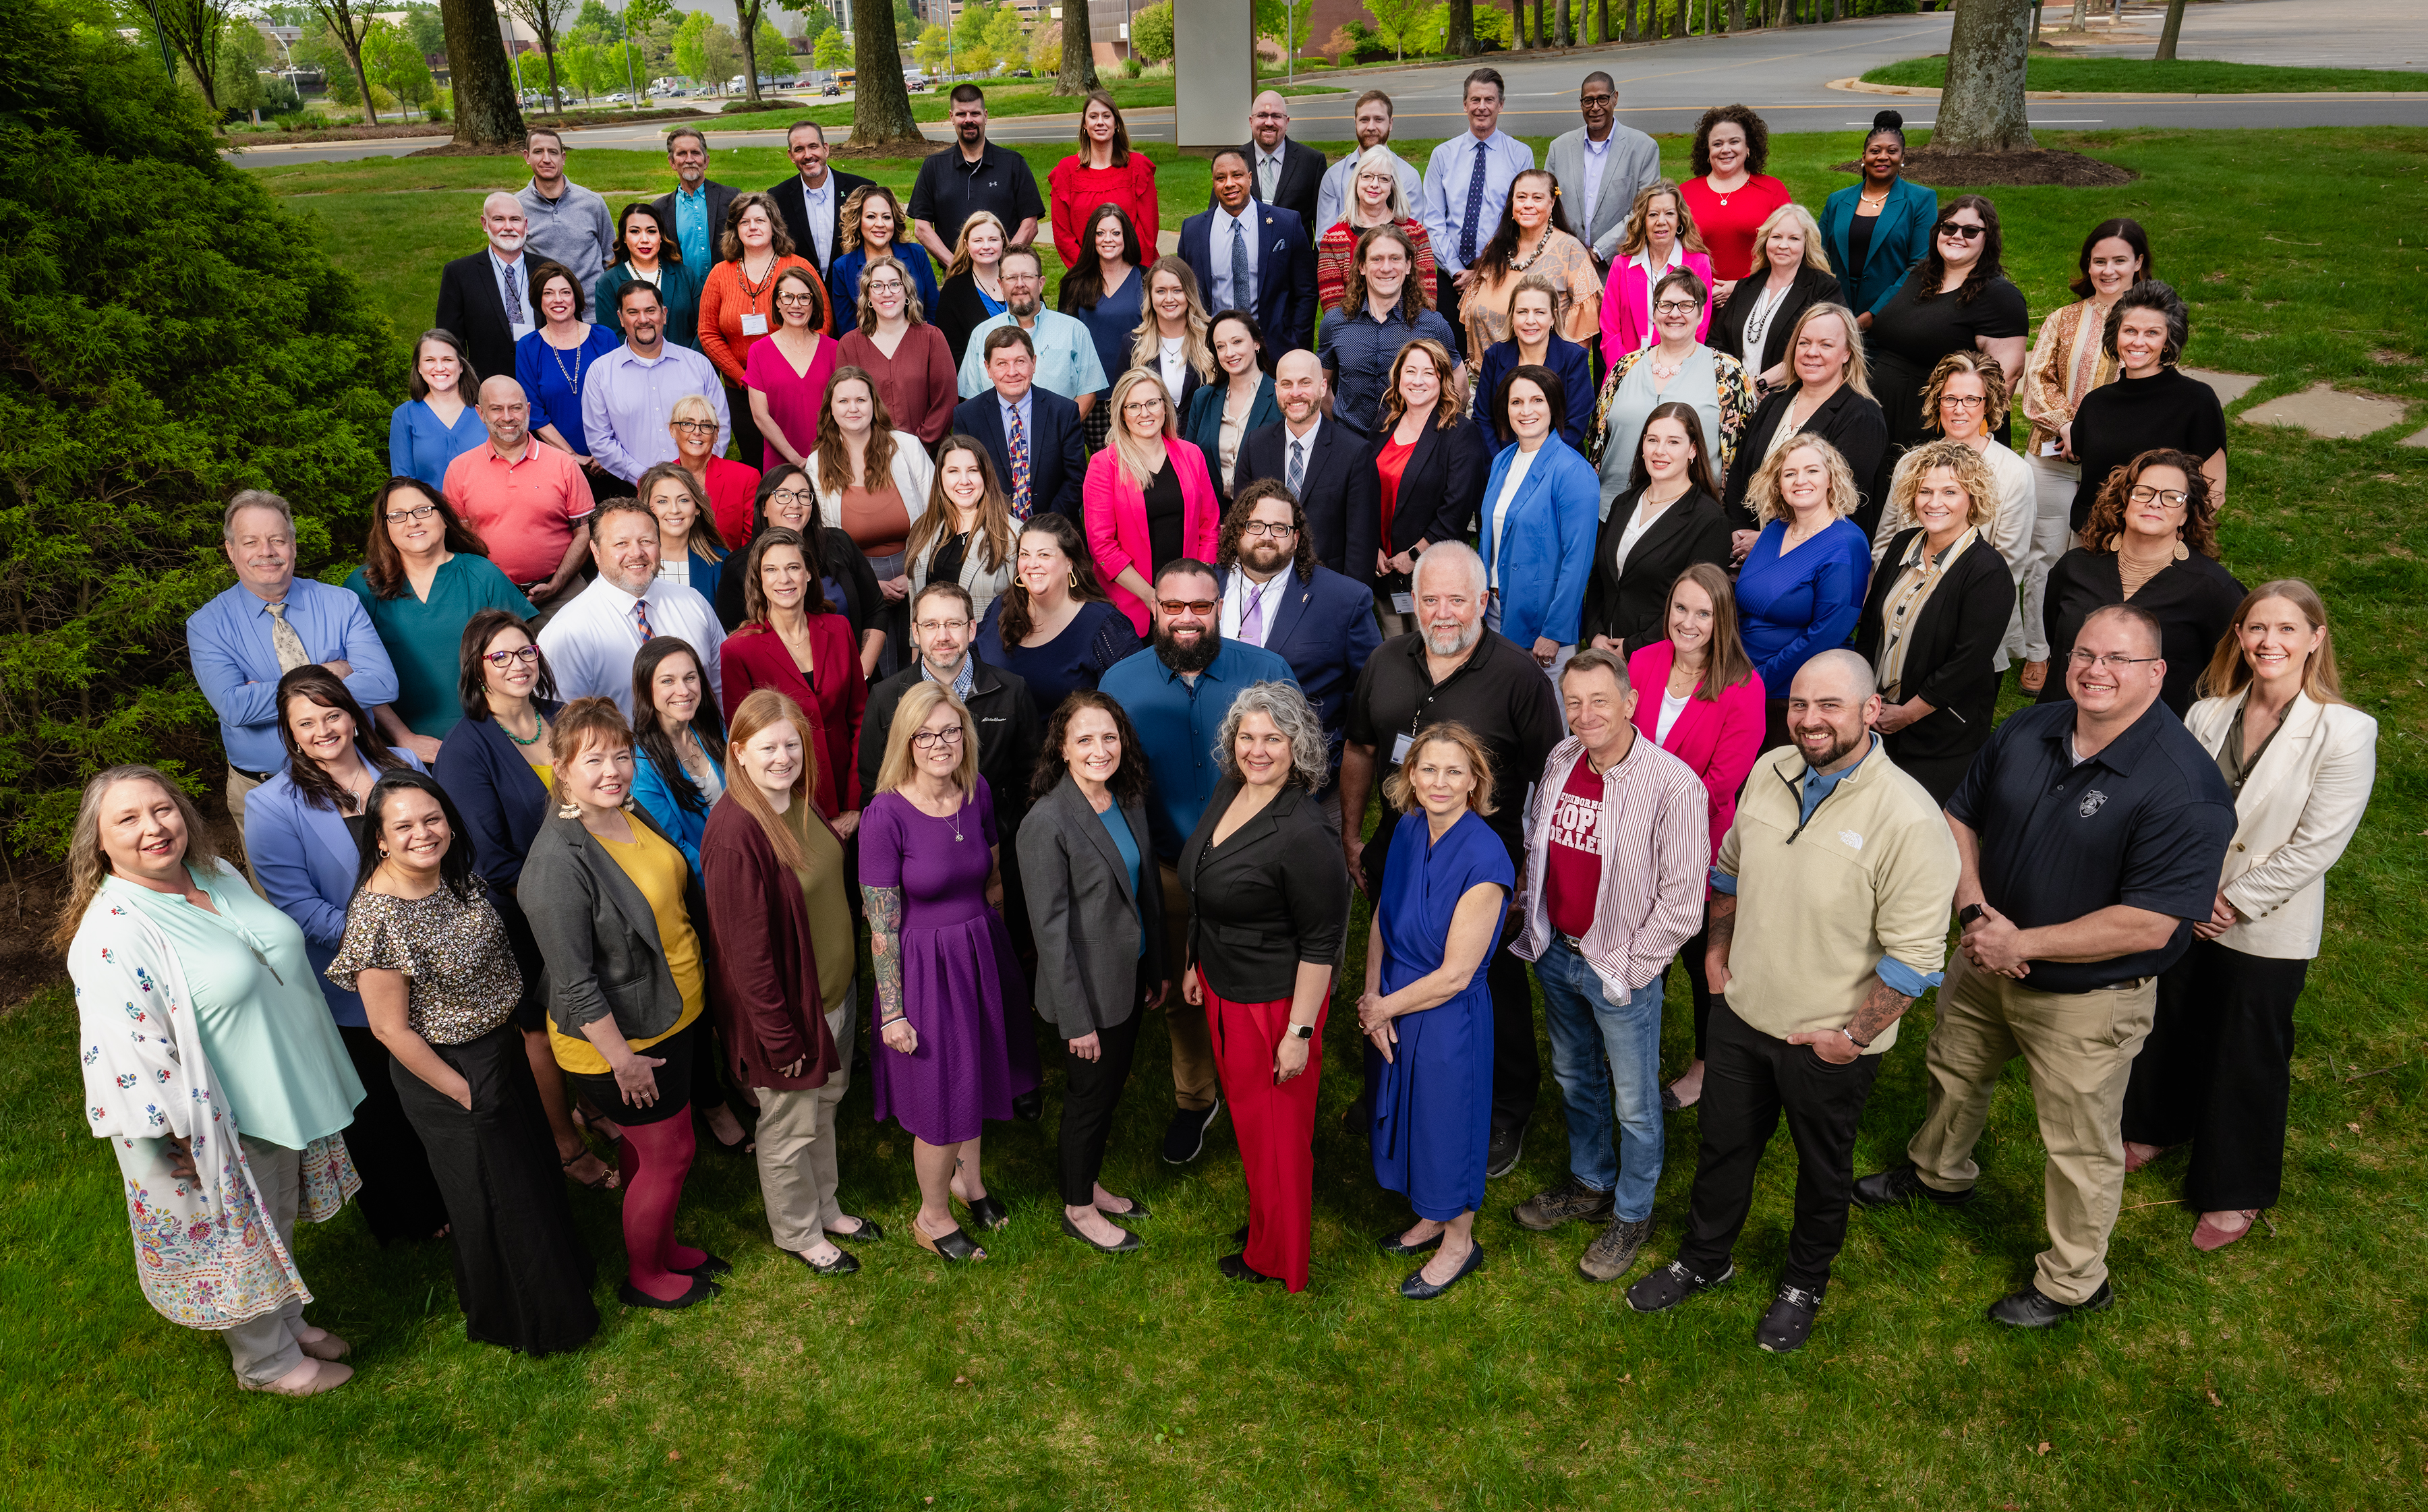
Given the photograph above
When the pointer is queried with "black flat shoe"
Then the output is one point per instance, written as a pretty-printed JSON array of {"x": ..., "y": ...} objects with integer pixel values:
[
  {"x": 701, "y": 1290},
  {"x": 1901, "y": 1184},
  {"x": 1417, "y": 1289},
  {"x": 867, "y": 1233},
  {"x": 2032, "y": 1308},
  {"x": 1136, "y": 1209},
  {"x": 842, "y": 1264},
  {"x": 1789, "y": 1323},
  {"x": 1238, "y": 1268},
  {"x": 1391, "y": 1245},
  {"x": 1029, "y": 1107},
  {"x": 953, "y": 1248},
  {"x": 988, "y": 1212},
  {"x": 1240, "y": 1236},
  {"x": 1669, "y": 1103},
  {"x": 1130, "y": 1244},
  {"x": 710, "y": 1266}
]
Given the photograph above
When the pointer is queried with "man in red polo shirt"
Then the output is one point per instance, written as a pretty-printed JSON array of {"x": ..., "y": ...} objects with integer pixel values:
[{"x": 526, "y": 500}]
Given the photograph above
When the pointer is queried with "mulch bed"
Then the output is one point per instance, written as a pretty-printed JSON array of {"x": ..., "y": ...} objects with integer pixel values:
[{"x": 2040, "y": 166}]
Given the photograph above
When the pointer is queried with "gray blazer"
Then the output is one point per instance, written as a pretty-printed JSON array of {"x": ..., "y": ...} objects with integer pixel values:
[
  {"x": 1634, "y": 161},
  {"x": 1083, "y": 912},
  {"x": 598, "y": 935}
]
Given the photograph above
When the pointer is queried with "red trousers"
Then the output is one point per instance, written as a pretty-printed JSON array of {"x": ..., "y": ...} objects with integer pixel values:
[{"x": 1276, "y": 1125}]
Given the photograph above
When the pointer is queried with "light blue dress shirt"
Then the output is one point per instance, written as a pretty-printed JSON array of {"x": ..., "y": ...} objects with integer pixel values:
[
  {"x": 1447, "y": 174},
  {"x": 1066, "y": 357},
  {"x": 237, "y": 664}
]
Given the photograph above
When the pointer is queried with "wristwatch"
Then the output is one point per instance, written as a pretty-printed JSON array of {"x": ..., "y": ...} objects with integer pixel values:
[
  {"x": 1302, "y": 1032},
  {"x": 1969, "y": 913}
]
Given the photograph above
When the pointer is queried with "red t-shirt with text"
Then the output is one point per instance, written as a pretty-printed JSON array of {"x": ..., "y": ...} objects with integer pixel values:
[{"x": 1572, "y": 862}]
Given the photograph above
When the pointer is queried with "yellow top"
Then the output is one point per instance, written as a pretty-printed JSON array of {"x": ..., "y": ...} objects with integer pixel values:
[{"x": 659, "y": 870}]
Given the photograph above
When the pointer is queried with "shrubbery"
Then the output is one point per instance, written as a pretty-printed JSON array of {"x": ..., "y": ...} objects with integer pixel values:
[{"x": 168, "y": 336}]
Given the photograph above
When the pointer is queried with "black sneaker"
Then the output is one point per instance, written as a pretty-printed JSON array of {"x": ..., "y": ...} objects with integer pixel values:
[
  {"x": 1501, "y": 1157},
  {"x": 1185, "y": 1135},
  {"x": 1901, "y": 1184},
  {"x": 1570, "y": 1202},
  {"x": 2032, "y": 1308},
  {"x": 1789, "y": 1323},
  {"x": 1671, "y": 1285}
]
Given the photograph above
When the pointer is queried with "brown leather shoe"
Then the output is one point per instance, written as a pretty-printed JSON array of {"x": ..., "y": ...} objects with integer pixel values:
[
  {"x": 2033, "y": 677},
  {"x": 1613, "y": 1252}
]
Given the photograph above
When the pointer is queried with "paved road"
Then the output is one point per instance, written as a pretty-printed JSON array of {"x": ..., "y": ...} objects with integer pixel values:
[{"x": 1663, "y": 87}]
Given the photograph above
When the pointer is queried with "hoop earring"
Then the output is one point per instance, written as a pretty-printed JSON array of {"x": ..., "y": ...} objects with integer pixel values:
[{"x": 1074, "y": 581}]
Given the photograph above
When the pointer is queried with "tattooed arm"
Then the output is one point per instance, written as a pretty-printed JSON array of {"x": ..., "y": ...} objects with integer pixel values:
[{"x": 884, "y": 908}]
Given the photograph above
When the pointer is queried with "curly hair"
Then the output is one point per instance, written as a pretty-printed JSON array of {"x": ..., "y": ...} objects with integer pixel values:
[
  {"x": 2151, "y": 294},
  {"x": 1413, "y": 301},
  {"x": 856, "y": 202},
  {"x": 1633, "y": 238},
  {"x": 1128, "y": 782},
  {"x": 1764, "y": 493},
  {"x": 1981, "y": 365},
  {"x": 1757, "y": 134},
  {"x": 1973, "y": 475},
  {"x": 1401, "y": 793},
  {"x": 1288, "y": 708},
  {"x": 2105, "y": 529},
  {"x": 1235, "y": 526}
]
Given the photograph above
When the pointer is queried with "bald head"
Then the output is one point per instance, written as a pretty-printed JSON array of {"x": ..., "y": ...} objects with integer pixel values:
[
  {"x": 501, "y": 220},
  {"x": 1830, "y": 708},
  {"x": 506, "y": 413},
  {"x": 1299, "y": 387},
  {"x": 1839, "y": 671},
  {"x": 1268, "y": 120}
]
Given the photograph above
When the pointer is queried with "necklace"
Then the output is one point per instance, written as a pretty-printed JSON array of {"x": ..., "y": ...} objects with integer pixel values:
[
  {"x": 539, "y": 732},
  {"x": 1519, "y": 265},
  {"x": 1881, "y": 198},
  {"x": 750, "y": 291},
  {"x": 573, "y": 377},
  {"x": 1660, "y": 373}
]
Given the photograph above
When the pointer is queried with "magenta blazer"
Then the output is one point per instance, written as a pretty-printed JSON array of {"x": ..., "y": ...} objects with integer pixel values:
[
  {"x": 1625, "y": 303},
  {"x": 1116, "y": 520},
  {"x": 1719, "y": 740}
]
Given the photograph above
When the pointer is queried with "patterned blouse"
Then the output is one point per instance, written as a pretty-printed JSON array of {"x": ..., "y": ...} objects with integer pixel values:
[
  {"x": 1570, "y": 266},
  {"x": 463, "y": 978},
  {"x": 1731, "y": 383},
  {"x": 1335, "y": 253},
  {"x": 2067, "y": 362}
]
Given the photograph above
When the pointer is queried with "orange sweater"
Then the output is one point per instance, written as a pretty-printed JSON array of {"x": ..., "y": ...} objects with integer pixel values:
[{"x": 723, "y": 304}]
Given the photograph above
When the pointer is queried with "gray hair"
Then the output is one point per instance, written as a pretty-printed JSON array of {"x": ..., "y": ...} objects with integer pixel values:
[
  {"x": 1594, "y": 659},
  {"x": 254, "y": 499},
  {"x": 694, "y": 133},
  {"x": 1380, "y": 158},
  {"x": 1288, "y": 708},
  {"x": 1450, "y": 554}
]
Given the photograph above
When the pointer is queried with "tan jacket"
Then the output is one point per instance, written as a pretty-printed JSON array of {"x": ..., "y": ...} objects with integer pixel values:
[
  {"x": 2297, "y": 811},
  {"x": 1819, "y": 902}
]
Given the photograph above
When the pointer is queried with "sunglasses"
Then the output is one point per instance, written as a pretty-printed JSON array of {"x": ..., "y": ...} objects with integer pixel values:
[
  {"x": 1968, "y": 233},
  {"x": 1200, "y": 607}
]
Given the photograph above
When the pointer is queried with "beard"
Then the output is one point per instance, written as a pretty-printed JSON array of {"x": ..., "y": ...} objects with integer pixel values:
[
  {"x": 1194, "y": 656},
  {"x": 1265, "y": 556},
  {"x": 1455, "y": 641},
  {"x": 1023, "y": 310},
  {"x": 1839, "y": 746}
]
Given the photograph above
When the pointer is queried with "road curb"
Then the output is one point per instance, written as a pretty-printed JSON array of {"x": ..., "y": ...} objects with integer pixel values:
[{"x": 1923, "y": 91}]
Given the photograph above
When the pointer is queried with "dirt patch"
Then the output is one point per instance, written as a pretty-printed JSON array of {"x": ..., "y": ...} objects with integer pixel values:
[
  {"x": 922, "y": 147},
  {"x": 2039, "y": 166},
  {"x": 29, "y": 902}
]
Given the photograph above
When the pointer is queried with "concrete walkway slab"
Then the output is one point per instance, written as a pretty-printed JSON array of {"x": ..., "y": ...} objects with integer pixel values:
[
  {"x": 2323, "y": 412},
  {"x": 2229, "y": 385},
  {"x": 2418, "y": 437}
]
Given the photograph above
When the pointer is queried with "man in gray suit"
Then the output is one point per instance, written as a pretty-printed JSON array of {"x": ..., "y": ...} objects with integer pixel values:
[{"x": 1601, "y": 166}]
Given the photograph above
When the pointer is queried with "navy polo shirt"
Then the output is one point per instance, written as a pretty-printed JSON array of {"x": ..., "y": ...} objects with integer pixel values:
[{"x": 2143, "y": 823}]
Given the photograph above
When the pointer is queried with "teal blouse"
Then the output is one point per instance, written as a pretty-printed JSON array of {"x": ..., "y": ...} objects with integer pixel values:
[
  {"x": 257, "y": 1006},
  {"x": 422, "y": 635}
]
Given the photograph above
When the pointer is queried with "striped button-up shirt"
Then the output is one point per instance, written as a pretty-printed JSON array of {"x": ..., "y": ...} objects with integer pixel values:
[{"x": 1656, "y": 850}]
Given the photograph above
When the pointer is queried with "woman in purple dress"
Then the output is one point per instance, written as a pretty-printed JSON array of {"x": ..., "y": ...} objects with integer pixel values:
[{"x": 951, "y": 1006}]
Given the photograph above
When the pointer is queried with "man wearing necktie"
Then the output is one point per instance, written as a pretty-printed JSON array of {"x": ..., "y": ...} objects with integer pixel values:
[
  {"x": 1285, "y": 174},
  {"x": 1466, "y": 190},
  {"x": 1233, "y": 249}
]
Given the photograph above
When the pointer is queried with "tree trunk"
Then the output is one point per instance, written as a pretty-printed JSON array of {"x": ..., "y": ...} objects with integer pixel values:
[
  {"x": 1982, "y": 108},
  {"x": 746, "y": 16},
  {"x": 1458, "y": 34},
  {"x": 489, "y": 113},
  {"x": 2175, "y": 28},
  {"x": 1736, "y": 16},
  {"x": 371, "y": 110},
  {"x": 880, "y": 111},
  {"x": 1078, "y": 72}
]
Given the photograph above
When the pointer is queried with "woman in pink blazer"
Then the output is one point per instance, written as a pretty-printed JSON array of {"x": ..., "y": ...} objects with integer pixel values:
[
  {"x": 1699, "y": 697},
  {"x": 1659, "y": 236},
  {"x": 1149, "y": 497}
]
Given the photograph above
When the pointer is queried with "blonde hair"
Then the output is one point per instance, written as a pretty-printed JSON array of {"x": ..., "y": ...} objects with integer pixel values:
[
  {"x": 691, "y": 408},
  {"x": 912, "y": 311},
  {"x": 1146, "y": 341},
  {"x": 962, "y": 262},
  {"x": 758, "y": 711},
  {"x": 2229, "y": 671},
  {"x": 89, "y": 864},
  {"x": 911, "y": 713},
  {"x": 1814, "y": 256},
  {"x": 1857, "y": 373},
  {"x": 583, "y": 723},
  {"x": 1764, "y": 493},
  {"x": 1972, "y": 472},
  {"x": 1633, "y": 238},
  {"x": 1133, "y": 457},
  {"x": 1993, "y": 387},
  {"x": 1400, "y": 794}
]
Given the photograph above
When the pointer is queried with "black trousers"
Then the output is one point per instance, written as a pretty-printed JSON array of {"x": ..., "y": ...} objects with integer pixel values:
[
  {"x": 1517, "y": 1064},
  {"x": 1749, "y": 1080},
  {"x": 2218, "y": 1070},
  {"x": 1774, "y": 723},
  {"x": 1690, "y": 958},
  {"x": 1091, "y": 1091},
  {"x": 1446, "y": 302},
  {"x": 750, "y": 447},
  {"x": 400, "y": 1198}
]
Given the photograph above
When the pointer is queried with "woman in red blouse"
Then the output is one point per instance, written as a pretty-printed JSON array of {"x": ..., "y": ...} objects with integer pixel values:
[
  {"x": 794, "y": 641},
  {"x": 1729, "y": 195},
  {"x": 1105, "y": 170}
]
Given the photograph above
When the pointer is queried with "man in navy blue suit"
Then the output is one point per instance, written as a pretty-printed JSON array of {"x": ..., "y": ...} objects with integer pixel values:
[
  {"x": 1253, "y": 256},
  {"x": 1039, "y": 426},
  {"x": 1277, "y": 595},
  {"x": 1316, "y": 455}
]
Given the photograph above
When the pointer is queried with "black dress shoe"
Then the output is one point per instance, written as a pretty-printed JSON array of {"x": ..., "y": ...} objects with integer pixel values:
[
  {"x": 1029, "y": 1105},
  {"x": 1789, "y": 1323},
  {"x": 842, "y": 1264},
  {"x": 1901, "y": 1184},
  {"x": 1501, "y": 1156},
  {"x": 1238, "y": 1268},
  {"x": 1130, "y": 1242},
  {"x": 701, "y": 1290},
  {"x": 1391, "y": 1245},
  {"x": 2032, "y": 1308},
  {"x": 1671, "y": 1285},
  {"x": 711, "y": 1265},
  {"x": 1185, "y": 1135},
  {"x": 867, "y": 1233},
  {"x": 1417, "y": 1289},
  {"x": 990, "y": 1212},
  {"x": 1135, "y": 1209}
]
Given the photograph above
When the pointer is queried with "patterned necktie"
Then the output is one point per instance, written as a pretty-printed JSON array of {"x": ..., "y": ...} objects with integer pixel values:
[
  {"x": 283, "y": 639},
  {"x": 641, "y": 613},
  {"x": 1268, "y": 177},
  {"x": 1252, "y": 619},
  {"x": 514, "y": 293},
  {"x": 1237, "y": 299},
  {"x": 1019, "y": 467},
  {"x": 1474, "y": 207},
  {"x": 1297, "y": 468}
]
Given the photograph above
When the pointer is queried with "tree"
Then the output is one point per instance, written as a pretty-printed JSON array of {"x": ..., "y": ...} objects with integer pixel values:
[
  {"x": 488, "y": 110},
  {"x": 1045, "y": 52},
  {"x": 723, "y": 51},
  {"x": 1981, "y": 109},
  {"x": 1401, "y": 22},
  {"x": 1006, "y": 40},
  {"x": 598, "y": 21},
  {"x": 880, "y": 112},
  {"x": 391, "y": 60},
  {"x": 1150, "y": 33},
  {"x": 349, "y": 25},
  {"x": 758, "y": 36},
  {"x": 546, "y": 19},
  {"x": 243, "y": 53},
  {"x": 584, "y": 63},
  {"x": 1285, "y": 20},
  {"x": 690, "y": 46},
  {"x": 1459, "y": 35},
  {"x": 428, "y": 29},
  {"x": 2173, "y": 29},
  {"x": 1075, "y": 50},
  {"x": 830, "y": 53},
  {"x": 193, "y": 30}
]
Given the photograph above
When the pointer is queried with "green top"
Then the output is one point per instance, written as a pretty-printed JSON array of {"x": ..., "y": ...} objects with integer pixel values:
[
  {"x": 421, "y": 637},
  {"x": 257, "y": 1007}
]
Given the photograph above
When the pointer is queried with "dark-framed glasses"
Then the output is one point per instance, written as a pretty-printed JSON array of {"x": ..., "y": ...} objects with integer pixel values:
[
  {"x": 2140, "y": 493},
  {"x": 397, "y": 516}
]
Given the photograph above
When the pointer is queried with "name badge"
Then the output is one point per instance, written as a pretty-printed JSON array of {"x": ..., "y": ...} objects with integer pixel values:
[
  {"x": 1400, "y": 748},
  {"x": 2050, "y": 449},
  {"x": 523, "y": 328},
  {"x": 754, "y": 324},
  {"x": 1404, "y": 603}
]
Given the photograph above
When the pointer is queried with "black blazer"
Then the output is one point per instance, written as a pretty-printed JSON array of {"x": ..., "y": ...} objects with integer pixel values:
[
  {"x": 720, "y": 200},
  {"x": 503, "y": 805},
  {"x": 1951, "y": 661},
  {"x": 1272, "y": 896},
  {"x": 842, "y": 561},
  {"x": 959, "y": 311},
  {"x": 1008, "y": 731},
  {"x": 2194, "y": 600},
  {"x": 1440, "y": 491},
  {"x": 1627, "y": 606},
  {"x": 1848, "y": 421},
  {"x": 1335, "y": 492},
  {"x": 1085, "y": 916},
  {"x": 1301, "y": 187},
  {"x": 1812, "y": 285},
  {"x": 794, "y": 202},
  {"x": 472, "y": 307},
  {"x": 1058, "y": 449}
]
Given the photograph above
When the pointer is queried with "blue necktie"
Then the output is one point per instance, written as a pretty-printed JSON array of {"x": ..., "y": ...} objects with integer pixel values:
[
  {"x": 1239, "y": 297},
  {"x": 1474, "y": 207}
]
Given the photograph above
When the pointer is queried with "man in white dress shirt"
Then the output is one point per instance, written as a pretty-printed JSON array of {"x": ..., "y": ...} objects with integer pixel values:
[
  {"x": 591, "y": 643},
  {"x": 1466, "y": 187},
  {"x": 1373, "y": 124}
]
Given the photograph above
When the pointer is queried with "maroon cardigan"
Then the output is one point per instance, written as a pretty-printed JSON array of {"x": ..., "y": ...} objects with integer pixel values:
[
  {"x": 756, "y": 657},
  {"x": 768, "y": 1011}
]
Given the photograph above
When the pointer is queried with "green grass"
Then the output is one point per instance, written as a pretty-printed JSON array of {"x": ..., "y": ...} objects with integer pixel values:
[
  {"x": 2142, "y": 75},
  {"x": 1019, "y": 99},
  {"x": 2286, "y": 1372}
]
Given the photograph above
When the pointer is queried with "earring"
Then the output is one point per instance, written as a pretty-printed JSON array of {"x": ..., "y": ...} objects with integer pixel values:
[
  {"x": 568, "y": 811},
  {"x": 1074, "y": 579}
]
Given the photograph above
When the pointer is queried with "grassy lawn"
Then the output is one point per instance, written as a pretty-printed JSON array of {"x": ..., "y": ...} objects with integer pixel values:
[
  {"x": 2285, "y": 1371},
  {"x": 2142, "y": 75}
]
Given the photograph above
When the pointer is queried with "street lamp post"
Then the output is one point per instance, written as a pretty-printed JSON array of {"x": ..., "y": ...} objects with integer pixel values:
[{"x": 632, "y": 86}]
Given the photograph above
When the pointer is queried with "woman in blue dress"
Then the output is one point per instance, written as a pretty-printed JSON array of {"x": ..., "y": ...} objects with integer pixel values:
[
  {"x": 553, "y": 362},
  {"x": 442, "y": 420},
  {"x": 1426, "y": 1008}
]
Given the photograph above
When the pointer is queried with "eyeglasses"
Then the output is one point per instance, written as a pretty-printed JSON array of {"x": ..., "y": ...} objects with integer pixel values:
[
  {"x": 501, "y": 660},
  {"x": 1143, "y": 407},
  {"x": 930, "y": 627},
  {"x": 696, "y": 427},
  {"x": 788, "y": 496},
  {"x": 1953, "y": 228},
  {"x": 397, "y": 516},
  {"x": 1962, "y": 401},
  {"x": 804, "y": 297},
  {"x": 891, "y": 285},
  {"x": 1267, "y": 527},
  {"x": 1603, "y": 97},
  {"x": 1195, "y": 606},
  {"x": 931, "y": 739},
  {"x": 1677, "y": 306},
  {"x": 2140, "y": 493},
  {"x": 2083, "y": 658}
]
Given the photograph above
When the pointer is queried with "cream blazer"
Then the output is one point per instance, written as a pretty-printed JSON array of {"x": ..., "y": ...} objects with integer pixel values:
[{"x": 2297, "y": 811}]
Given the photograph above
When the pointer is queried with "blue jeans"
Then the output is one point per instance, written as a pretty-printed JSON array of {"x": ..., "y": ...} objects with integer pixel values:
[{"x": 1586, "y": 1026}]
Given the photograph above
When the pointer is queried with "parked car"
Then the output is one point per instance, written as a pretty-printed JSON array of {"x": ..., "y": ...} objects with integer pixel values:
[
  {"x": 1019, "y": 73},
  {"x": 831, "y": 87}
]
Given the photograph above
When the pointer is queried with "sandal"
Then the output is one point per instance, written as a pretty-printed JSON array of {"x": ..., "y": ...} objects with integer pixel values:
[
  {"x": 608, "y": 1177},
  {"x": 953, "y": 1248},
  {"x": 867, "y": 1233},
  {"x": 986, "y": 1212}
]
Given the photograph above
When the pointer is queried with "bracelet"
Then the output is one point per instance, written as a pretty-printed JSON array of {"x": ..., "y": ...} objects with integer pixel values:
[{"x": 1860, "y": 1044}]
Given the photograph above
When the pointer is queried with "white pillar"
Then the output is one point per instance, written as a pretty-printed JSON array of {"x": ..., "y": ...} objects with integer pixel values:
[{"x": 1214, "y": 69}]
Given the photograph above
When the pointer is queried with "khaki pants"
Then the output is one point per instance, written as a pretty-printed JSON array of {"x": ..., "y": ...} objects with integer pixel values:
[
  {"x": 238, "y": 788},
  {"x": 2080, "y": 1049},
  {"x": 1194, "y": 1080},
  {"x": 796, "y": 1149},
  {"x": 269, "y": 1346}
]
